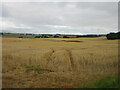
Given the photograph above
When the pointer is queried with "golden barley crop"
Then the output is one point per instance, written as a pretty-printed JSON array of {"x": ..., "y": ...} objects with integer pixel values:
[{"x": 53, "y": 62}]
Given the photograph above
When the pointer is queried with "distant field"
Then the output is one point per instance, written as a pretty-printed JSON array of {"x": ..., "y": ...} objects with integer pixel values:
[{"x": 57, "y": 62}]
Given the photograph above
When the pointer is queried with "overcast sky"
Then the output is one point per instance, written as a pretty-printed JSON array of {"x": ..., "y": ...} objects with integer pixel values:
[{"x": 59, "y": 17}]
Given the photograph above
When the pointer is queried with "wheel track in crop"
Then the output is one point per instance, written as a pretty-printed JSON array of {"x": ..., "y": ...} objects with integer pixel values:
[
  {"x": 48, "y": 56},
  {"x": 51, "y": 54},
  {"x": 69, "y": 54},
  {"x": 71, "y": 58}
]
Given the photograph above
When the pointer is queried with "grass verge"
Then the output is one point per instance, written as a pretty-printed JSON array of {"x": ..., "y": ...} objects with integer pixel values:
[{"x": 109, "y": 82}]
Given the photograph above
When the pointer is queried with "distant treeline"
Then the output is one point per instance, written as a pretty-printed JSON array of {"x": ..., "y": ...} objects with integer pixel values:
[
  {"x": 112, "y": 36},
  {"x": 27, "y": 35},
  {"x": 66, "y": 36},
  {"x": 91, "y": 35}
]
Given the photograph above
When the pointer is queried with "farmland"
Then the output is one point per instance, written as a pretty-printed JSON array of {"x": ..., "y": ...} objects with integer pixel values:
[{"x": 57, "y": 62}]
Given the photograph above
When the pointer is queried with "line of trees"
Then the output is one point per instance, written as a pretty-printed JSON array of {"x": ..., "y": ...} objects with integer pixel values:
[
  {"x": 112, "y": 36},
  {"x": 90, "y": 35}
]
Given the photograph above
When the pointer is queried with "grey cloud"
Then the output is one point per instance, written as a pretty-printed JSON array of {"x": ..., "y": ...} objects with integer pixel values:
[
  {"x": 3, "y": 11},
  {"x": 81, "y": 17}
]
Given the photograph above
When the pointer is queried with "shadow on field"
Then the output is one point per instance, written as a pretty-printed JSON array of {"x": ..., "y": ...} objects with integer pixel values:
[{"x": 71, "y": 41}]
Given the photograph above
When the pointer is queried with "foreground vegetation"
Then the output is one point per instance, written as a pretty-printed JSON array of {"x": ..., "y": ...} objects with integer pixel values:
[
  {"x": 57, "y": 62},
  {"x": 109, "y": 82}
]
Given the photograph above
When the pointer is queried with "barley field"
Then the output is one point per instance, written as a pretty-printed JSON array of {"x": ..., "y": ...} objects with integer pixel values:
[{"x": 57, "y": 62}]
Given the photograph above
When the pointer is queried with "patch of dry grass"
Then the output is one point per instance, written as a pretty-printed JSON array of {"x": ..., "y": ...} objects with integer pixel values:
[{"x": 50, "y": 63}]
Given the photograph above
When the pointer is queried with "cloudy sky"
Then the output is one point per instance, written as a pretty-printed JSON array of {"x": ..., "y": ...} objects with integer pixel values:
[{"x": 59, "y": 17}]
